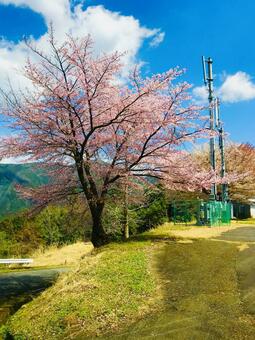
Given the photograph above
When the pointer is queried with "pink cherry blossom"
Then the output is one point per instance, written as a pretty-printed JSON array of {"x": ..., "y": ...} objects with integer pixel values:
[{"x": 91, "y": 131}]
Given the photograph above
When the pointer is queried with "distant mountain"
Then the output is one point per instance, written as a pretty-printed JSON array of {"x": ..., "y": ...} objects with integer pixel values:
[{"x": 13, "y": 174}]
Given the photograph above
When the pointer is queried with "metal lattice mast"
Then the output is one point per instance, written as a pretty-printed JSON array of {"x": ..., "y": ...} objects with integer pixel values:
[
  {"x": 222, "y": 149},
  {"x": 208, "y": 80}
]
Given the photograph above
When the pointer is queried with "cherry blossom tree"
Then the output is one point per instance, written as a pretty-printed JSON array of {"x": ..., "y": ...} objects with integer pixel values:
[
  {"x": 92, "y": 129},
  {"x": 241, "y": 160},
  {"x": 240, "y": 166}
]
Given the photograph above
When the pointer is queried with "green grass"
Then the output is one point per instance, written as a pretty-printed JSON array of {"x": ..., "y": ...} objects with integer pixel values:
[{"x": 108, "y": 290}]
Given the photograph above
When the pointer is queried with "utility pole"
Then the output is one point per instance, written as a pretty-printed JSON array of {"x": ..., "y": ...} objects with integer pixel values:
[
  {"x": 222, "y": 149},
  {"x": 208, "y": 80}
]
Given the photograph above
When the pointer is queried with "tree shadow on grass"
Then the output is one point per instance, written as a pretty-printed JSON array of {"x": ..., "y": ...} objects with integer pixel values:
[
  {"x": 246, "y": 277},
  {"x": 200, "y": 299}
]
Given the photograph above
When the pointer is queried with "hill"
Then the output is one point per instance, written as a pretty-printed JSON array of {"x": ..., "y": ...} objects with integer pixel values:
[{"x": 11, "y": 175}]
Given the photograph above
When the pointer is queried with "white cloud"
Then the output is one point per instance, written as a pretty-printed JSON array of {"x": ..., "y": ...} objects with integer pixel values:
[
  {"x": 111, "y": 31},
  {"x": 200, "y": 94},
  {"x": 158, "y": 38},
  {"x": 235, "y": 88},
  {"x": 12, "y": 58},
  {"x": 57, "y": 11}
]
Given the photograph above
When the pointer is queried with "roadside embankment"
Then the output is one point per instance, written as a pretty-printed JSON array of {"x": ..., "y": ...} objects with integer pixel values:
[{"x": 154, "y": 286}]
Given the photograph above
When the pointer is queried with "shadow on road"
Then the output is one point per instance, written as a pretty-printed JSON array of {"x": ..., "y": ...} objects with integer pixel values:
[
  {"x": 243, "y": 234},
  {"x": 18, "y": 288}
]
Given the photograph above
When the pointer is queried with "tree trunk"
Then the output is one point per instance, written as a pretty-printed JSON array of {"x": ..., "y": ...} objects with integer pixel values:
[
  {"x": 99, "y": 236},
  {"x": 125, "y": 213}
]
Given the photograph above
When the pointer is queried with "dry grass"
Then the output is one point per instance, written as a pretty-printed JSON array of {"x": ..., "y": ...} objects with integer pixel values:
[
  {"x": 65, "y": 256},
  {"x": 202, "y": 232},
  {"x": 247, "y": 221}
]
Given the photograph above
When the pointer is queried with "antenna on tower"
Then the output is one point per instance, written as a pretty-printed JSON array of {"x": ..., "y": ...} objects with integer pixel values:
[
  {"x": 204, "y": 70},
  {"x": 217, "y": 113}
]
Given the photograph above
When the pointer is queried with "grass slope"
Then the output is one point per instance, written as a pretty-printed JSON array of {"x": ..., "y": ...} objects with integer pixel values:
[
  {"x": 193, "y": 292},
  {"x": 11, "y": 175},
  {"x": 108, "y": 290}
]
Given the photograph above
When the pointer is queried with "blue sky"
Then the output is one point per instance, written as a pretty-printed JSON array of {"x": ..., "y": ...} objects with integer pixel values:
[{"x": 223, "y": 30}]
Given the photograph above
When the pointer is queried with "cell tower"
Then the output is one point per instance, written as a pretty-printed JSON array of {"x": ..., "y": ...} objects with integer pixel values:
[
  {"x": 224, "y": 187},
  {"x": 215, "y": 123},
  {"x": 208, "y": 80}
]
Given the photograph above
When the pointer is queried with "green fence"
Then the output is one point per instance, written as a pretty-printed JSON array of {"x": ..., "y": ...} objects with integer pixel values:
[
  {"x": 212, "y": 213},
  {"x": 183, "y": 211}
]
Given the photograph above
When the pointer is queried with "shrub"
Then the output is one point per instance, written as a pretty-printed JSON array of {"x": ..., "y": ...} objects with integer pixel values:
[
  {"x": 58, "y": 225},
  {"x": 113, "y": 220},
  {"x": 155, "y": 210},
  {"x": 6, "y": 245},
  {"x": 54, "y": 225}
]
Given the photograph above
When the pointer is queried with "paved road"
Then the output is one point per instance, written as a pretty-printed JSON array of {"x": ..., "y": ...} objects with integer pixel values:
[
  {"x": 29, "y": 282},
  {"x": 242, "y": 234},
  {"x": 17, "y": 288}
]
